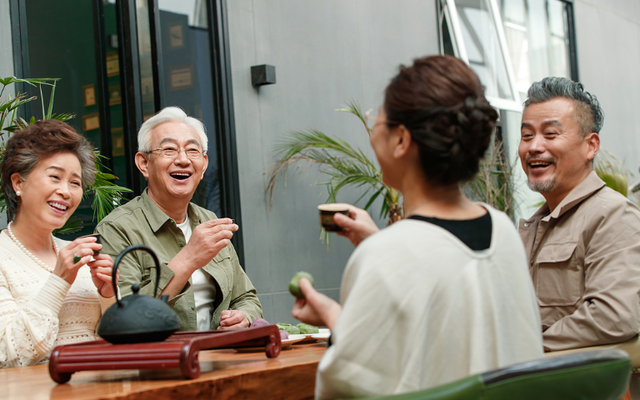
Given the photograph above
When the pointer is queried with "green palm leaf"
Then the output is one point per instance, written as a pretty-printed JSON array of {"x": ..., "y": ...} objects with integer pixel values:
[
  {"x": 106, "y": 195},
  {"x": 342, "y": 164},
  {"x": 612, "y": 171},
  {"x": 72, "y": 225}
]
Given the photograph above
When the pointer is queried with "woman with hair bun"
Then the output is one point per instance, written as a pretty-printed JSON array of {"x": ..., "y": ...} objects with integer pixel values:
[
  {"x": 445, "y": 293},
  {"x": 52, "y": 292}
]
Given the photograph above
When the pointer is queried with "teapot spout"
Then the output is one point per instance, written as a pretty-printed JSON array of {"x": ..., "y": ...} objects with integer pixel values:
[{"x": 164, "y": 297}]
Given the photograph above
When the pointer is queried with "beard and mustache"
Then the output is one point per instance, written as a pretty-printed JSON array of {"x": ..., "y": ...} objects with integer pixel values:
[{"x": 544, "y": 186}]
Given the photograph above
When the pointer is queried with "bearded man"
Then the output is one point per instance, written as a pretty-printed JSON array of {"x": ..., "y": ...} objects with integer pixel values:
[{"x": 583, "y": 244}]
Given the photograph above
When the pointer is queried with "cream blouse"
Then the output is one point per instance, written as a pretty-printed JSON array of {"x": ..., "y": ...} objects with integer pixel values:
[{"x": 39, "y": 310}]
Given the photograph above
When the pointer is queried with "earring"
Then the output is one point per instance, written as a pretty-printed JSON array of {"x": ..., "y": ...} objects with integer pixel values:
[{"x": 18, "y": 193}]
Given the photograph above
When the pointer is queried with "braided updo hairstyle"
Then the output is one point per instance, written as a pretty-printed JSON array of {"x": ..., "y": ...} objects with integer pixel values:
[{"x": 440, "y": 100}]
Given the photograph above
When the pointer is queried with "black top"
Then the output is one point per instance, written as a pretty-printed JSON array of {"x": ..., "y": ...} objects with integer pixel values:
[{"x": 475, "y": 233}]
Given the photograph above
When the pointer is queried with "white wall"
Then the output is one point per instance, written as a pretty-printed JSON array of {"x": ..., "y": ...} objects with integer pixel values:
[
  {"x": 608, "y": 33},
  {"x": 326, "y": 52}
]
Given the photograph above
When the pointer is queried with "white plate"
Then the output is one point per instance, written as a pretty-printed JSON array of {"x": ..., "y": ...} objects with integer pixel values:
[
  {"x": 321, "y": 336},
  {"x": 311, "y": 337}
]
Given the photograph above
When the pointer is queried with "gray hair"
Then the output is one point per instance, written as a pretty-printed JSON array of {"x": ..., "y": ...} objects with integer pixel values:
[
  {"x": 589, "y": 115},
  {"x": 169, "y": 114}
]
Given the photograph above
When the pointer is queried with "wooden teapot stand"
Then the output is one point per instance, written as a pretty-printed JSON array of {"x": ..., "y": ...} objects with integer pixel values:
[{"x": 179, "y": 350}]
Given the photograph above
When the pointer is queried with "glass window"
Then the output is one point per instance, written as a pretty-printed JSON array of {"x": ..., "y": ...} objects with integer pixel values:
[
  {"x": 186, "y": 76},
  {"x": 473, "y": 30},
  {"x": 68, "y": 51},
  {"x": 537, "y": 36}
]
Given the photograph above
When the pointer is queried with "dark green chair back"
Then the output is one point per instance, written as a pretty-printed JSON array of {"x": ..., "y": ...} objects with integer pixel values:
[{"x": 591, "y": 375}]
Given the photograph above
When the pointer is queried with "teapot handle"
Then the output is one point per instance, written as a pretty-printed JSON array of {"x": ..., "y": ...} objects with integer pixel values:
[{"x": 124, "y": 252}]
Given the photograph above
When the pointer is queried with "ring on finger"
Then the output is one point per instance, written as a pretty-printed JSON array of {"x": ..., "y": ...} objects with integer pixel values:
[{"x": 76, "y": 258}]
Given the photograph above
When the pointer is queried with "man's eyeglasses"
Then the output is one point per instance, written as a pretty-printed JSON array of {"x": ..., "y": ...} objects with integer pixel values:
[{"x": 172, "y": 152}]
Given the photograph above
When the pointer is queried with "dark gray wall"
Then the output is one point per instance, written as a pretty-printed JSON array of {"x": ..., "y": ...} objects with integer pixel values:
[
  {"x": 6, "y": 62},
  {"x": 6, "y": 52},
  {"x": 326, "y": 52}
]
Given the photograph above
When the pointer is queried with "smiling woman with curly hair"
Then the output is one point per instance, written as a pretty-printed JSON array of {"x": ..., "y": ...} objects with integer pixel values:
[{"x": 51, "y": 291}]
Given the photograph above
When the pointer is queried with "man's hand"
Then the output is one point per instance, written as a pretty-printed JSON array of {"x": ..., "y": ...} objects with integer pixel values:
[
  {"x": 233, "y": 319},
  {"x": 357, "y": 226},
  {"x": 206, "y": 241},
  {"x": 316, "y": 308}
]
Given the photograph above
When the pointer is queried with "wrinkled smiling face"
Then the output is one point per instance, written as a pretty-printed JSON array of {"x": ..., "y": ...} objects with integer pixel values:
[
  {"x": 553, "y": 154},
  {"x": 172, "y": 178}
]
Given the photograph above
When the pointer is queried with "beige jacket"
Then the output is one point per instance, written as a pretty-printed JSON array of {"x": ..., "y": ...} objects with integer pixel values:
[{"x": 584, "y": 259}]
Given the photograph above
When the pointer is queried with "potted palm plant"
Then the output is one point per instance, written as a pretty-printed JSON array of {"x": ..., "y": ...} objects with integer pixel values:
[
  {"x": 346, "y": 166},
  {"x": 104, "y": 193}
]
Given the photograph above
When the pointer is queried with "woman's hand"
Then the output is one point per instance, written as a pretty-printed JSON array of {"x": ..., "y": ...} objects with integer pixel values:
[
  {"x": 67, "y": 265},
  {"x": 316, "y": 308},
  {"x": 357, "y": 226},
  {"x": 101, "y": 272}
]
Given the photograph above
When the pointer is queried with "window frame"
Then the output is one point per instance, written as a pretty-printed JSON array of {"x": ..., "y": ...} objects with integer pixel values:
[{"x": 450, "y": 13}]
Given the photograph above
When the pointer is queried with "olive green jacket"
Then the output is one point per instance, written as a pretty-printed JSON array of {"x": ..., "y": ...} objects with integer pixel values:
[{"x": 141, "y": 221}]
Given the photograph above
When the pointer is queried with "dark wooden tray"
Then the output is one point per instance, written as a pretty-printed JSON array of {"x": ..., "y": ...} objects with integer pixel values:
[{"x": 179, "y": 350}]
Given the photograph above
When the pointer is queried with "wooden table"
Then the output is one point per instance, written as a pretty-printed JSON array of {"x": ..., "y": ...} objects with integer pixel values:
[{"x": 226, "y": 374}]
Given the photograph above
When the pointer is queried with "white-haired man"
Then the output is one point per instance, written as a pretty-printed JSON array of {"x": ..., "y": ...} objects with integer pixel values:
[{"x": 199, "y": 268}]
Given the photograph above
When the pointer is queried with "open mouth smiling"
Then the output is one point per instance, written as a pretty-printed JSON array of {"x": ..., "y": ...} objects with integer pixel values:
[
  {"x": 180, "y": 175},
  {"x": 539, "y": 164},
  {"x": 57, "y": 206}
]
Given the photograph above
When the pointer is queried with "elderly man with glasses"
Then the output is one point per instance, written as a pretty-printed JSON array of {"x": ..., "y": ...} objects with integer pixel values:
[{"x": 199, "y": 269}]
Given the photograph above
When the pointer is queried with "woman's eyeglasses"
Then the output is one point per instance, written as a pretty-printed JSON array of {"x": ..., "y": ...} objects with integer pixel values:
[{"x": 372, "y": 115}]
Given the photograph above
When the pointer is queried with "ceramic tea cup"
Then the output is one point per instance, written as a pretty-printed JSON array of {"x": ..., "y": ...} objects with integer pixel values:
[
  {"x": 327, "y": 212},
  {"x": 98, "y": 237}
]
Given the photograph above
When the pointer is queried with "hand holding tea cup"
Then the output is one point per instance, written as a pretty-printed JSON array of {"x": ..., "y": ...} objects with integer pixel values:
[
  {"x": 356, "y": 226},
  {"x": 327, "y": 213},
  {"x": 98, "y": 240},
  {"x": 206, "y": 242},
  {"x": 75, "y": 255},
  {"x": 101, "y": 272}
]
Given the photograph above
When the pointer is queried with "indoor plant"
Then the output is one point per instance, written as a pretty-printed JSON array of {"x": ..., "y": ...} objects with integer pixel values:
[
  {"x": 345, "y": 166},
  {"x": 104, "y": 193}
]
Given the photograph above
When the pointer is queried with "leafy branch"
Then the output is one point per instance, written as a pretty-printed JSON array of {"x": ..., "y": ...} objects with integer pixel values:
[
  {"x": 343, "y": 164},
  {"x": 106, "y": 195},
  {"x": 494, "y": 183}
]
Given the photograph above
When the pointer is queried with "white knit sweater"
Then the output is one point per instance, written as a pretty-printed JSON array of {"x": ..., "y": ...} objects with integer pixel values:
[{"x": 39, "y": 310}]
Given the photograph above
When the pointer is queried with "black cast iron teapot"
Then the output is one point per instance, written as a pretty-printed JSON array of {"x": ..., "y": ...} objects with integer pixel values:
[{"x": 138, "y": 318}]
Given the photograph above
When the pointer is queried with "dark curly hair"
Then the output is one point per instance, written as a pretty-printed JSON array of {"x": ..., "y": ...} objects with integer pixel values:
[
  {"x": 440, "y": 100},
  {"x": 588, "y": 112},
  {"x": 42, "y": 139}
]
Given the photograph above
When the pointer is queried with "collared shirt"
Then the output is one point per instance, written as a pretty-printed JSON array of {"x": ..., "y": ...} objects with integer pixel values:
[
  {"x": 141, "y": 221},
  {"x": 584, "y": 259}
]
